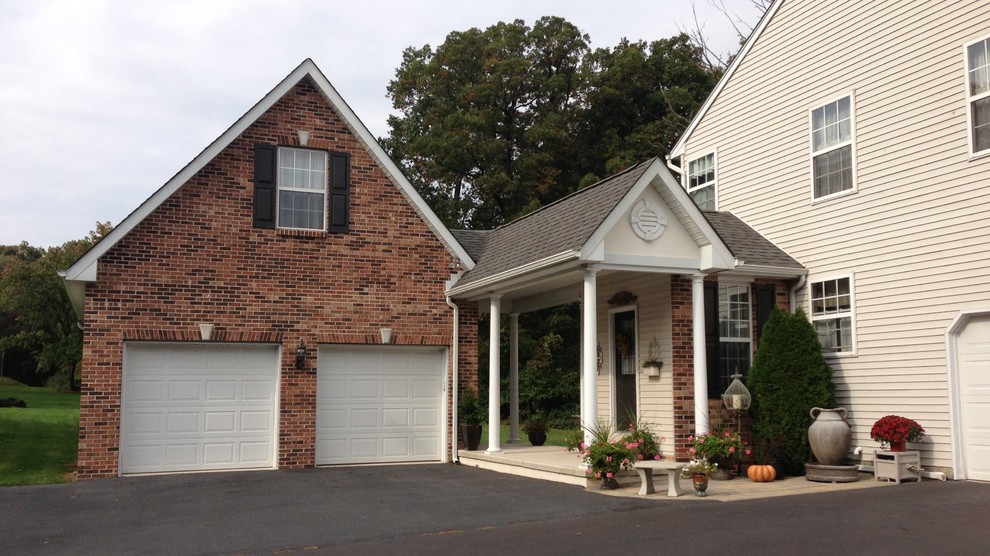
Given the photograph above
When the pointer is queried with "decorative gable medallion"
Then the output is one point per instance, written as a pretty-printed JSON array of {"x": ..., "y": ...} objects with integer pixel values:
[{"x": 648, "y": 220}]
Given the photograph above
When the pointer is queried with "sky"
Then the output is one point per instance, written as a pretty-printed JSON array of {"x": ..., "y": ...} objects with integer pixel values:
[{"x": 103, "y": 101}]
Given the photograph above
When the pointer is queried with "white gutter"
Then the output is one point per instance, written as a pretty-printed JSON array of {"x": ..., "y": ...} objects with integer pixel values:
[
  {"x": 800, "y": 284},
  {"x": 454, "y": 371},
  {"x": 515, "y": 272},
  {"x": 679, "y": 170}
]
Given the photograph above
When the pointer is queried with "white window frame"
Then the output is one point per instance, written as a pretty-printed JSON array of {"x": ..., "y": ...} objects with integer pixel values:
[
  {"x": 971, "y": 98},
  {"x": 850, "y": 314},
  {"x": 851, "y": 143},
  {"x": 279, "y": 188},
  {"x": 713, "y": 184},
  {"x": 725, "y": 290}
]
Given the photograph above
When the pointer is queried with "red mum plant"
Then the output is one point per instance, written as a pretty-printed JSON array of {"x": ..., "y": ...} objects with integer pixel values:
[{"x": 894, "y": 428}]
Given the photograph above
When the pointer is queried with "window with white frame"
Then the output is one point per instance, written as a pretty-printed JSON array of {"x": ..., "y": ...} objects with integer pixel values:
[
  {"x": 832, "y": 148},
  {"x": 302, "y": 189},
  {"x": 701, "y": 181},
  {"x": 831, "y": 314},
  {"x": 735, "y": 331},
  {"x": 978, "y": 94}
]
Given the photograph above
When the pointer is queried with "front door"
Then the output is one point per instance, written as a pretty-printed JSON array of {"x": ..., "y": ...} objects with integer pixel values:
[{"x": 624, "y": 367}]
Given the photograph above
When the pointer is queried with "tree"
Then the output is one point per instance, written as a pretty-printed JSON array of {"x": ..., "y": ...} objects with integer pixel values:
[
  {"x": 494, "y": 124},
  {"x": 38, "y": 321},
  {"x": 789, "y": 376},
  {"x": 485, "y": 119}
]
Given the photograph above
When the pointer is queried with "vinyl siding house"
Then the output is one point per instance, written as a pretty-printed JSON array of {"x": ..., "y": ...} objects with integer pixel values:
[{"x": 855, "y": 136}]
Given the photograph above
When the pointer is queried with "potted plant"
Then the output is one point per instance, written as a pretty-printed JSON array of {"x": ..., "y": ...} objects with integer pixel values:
[
  {"x": 604, "y": 457},
  {"x": 644, "y": 444},
  {"x": 471, "y": 416},
  {"x": 896, "y": 431},
  {"x": 653, "y": 363},
  {"x": 700, "y": 470},
  {"x": 536, "y": 429},
  {"x": 720, "y": 449}
]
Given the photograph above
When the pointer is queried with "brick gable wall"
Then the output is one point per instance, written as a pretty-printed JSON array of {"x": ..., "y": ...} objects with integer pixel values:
[{"x": 197, "y": 259}]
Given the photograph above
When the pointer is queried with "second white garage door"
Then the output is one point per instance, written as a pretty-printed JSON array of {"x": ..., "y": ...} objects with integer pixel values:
[{"x": 379, "y": 404}]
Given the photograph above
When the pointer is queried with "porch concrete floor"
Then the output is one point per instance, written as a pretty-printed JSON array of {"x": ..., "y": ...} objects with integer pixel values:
[{"x": 554, "y": 463}]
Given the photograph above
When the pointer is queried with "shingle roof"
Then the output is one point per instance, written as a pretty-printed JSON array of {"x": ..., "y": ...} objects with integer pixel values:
[
  {"x": 473, "y": 241},
  {"x": 747, "y": 244},
  {"x": 563, "y": 225}
]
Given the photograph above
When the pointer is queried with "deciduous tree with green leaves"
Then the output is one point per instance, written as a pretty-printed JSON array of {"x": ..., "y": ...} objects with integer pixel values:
[{"x": 36, "y": 319}]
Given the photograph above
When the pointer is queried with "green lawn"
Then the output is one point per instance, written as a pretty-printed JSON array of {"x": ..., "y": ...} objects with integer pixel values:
[
  {"x": 555, "y": 437},
  {"x": 38, "y": 444}
]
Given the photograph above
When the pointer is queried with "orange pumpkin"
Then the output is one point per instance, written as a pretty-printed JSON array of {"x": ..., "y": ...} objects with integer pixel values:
[{"x": 761, "y": 473}]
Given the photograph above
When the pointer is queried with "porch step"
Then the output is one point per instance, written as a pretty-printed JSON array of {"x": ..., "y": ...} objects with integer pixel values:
[{"x": 547, "y": 463}]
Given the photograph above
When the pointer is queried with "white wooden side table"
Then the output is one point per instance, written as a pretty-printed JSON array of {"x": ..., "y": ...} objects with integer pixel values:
[{"x": 897, "y": 465}]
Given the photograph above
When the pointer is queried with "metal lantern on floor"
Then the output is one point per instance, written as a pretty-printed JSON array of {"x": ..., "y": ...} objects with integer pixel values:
[{"x": 737, "y": 400}]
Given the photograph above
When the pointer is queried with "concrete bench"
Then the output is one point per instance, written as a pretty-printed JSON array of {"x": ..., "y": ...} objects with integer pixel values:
[{"x": 645, "y": 469}]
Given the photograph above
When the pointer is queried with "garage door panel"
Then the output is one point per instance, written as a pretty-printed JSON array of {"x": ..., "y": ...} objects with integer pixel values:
[
  {"x": 364, "y": 389},
  {"x": 395, "y": 389},
  {"x": 395, "y": 418},
  {"x": 207, "y": 407},
  {"x": 379, "y": 404},
  {"x": 974, "y": 381}
]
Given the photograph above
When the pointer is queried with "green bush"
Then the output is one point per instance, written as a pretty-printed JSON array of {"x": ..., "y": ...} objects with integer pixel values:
[{"x": 789, "y": 377}]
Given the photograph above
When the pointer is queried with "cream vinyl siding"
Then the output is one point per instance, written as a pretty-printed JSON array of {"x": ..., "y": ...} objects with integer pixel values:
[
  {"x": 656, "y": 399},
  {"x": 914, "y": 232}
]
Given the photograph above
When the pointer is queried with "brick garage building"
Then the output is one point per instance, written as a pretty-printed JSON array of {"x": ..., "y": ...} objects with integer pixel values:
[{"x": 236, "y": 318}]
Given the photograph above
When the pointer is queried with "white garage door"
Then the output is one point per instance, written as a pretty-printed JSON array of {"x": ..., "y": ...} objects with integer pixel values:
[
  {"x": 198, "y": 407},
  {"x": 974, "y": 380},
  {"x": 379, "y": 404}
]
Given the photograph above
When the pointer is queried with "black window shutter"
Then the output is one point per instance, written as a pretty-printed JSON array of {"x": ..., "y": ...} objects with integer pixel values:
[
  {"x": 340, "y": 192},
  {"x": 712, "y": 351},
  {"x": 766, "y": 299},
  {"x": 264, "y": 186}
]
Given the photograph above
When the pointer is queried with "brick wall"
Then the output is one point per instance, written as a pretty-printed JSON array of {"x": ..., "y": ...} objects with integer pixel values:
[{"x": 197, "y": 258}]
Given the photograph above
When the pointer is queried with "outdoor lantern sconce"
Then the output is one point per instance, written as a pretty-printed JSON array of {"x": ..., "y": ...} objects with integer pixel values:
[
  {"x": 737, "y": 396},
  {"x": 301, "y": 356}
]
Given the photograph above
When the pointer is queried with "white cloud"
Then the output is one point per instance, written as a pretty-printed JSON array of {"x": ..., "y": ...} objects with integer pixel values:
[{"x": 101, "y": 102}]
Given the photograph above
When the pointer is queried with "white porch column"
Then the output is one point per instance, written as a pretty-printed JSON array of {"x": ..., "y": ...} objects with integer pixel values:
[
  {"x": 494, "y": 363},
  {"x": 589, "y": 354},
  {"x": 700, "y": 351},
  {"x": 514, "y": 377}
]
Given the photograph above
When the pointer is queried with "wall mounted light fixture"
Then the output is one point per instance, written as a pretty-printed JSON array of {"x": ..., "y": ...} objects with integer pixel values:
[{"x": 301, "y": 355}]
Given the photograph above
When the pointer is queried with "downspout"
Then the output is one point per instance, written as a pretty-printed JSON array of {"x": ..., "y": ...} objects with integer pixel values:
[
  {"x": 793, "y": 293},
  {"x": 453, "y": 378}
]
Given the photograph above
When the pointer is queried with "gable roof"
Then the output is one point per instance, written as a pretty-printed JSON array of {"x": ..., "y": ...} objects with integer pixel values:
[
  {"x": 85, "y": 269},
  {"x": 678, "y": 148},
  {"x": 747, "y": 245},
  {"x": 563, "y": 226}
]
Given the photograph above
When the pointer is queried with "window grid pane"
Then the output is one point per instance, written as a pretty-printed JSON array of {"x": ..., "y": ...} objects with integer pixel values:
[
  {"x": 302, "y": 189},
  {"x": 979, "y": 67},
  {"x": 701, "y": 181},
  {"x": 831, "y": 304},
  {"x": 981, "y": 124},
  {"x": 833, "y": 171}
]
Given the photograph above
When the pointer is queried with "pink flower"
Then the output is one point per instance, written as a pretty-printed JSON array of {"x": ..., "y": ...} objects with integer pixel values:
[
  {"x": 608, "y": 458},
  {"x": 598, "y": 474},
  {"x": 732, "y": 449},
  {"x": 691, "y": 450},
  {"x": 657, "y": 457},
  {"x": 691, "y": 438},
  {"x": 726, "y": 434},
  {"x": 609, "y": 474},
  {"x": 749, "y": 452}
]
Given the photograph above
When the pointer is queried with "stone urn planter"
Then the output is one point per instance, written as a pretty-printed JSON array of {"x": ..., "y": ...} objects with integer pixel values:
[{"x": 829, "y": 435}]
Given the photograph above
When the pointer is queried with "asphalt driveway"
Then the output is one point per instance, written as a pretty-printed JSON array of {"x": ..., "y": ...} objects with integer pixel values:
[
  {"x": 269, "y": 511},
  {"x": 442, "y": 509}
]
